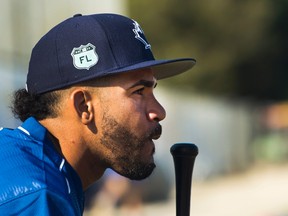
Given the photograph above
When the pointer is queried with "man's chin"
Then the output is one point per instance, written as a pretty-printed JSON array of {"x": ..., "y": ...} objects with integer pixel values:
[{"x": 140, "y": 173}]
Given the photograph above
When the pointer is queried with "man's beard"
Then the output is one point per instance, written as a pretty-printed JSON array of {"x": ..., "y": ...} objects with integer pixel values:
[{"x": 126, "y": 149}]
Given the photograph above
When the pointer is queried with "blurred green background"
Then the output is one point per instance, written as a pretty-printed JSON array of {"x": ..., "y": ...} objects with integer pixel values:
[{"x": 241, "y": 46}]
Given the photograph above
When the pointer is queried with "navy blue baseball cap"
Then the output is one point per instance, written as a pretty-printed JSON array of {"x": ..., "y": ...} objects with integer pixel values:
[{"x": 91, "y": 46}]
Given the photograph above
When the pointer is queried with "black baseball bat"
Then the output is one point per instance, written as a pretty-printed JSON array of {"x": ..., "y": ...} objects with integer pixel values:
[{"x": 184, "y": 155}]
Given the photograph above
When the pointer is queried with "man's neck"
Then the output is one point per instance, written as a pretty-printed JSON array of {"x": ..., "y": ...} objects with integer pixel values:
[{"x": 74, "y": 150}]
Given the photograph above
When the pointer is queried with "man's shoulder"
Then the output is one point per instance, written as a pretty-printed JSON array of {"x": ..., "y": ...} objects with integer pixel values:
[
  {"x": 19, "y": 152},
  {"x": 27, "y": 167}
]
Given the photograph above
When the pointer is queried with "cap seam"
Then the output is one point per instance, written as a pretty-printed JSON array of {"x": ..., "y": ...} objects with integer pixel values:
[
  {"x": 111, "y": 48},
  {"x": 57, "y": 56}
]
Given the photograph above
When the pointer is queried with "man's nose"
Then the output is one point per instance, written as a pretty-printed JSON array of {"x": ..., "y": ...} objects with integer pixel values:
[{"x": 156, "y": 112}]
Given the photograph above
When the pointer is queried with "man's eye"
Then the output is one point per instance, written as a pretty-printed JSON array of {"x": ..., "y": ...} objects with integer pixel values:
[{"x": 139, "y": 91}]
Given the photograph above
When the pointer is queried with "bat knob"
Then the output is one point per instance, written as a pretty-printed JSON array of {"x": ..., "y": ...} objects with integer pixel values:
[{"x": 184, "y": 150}]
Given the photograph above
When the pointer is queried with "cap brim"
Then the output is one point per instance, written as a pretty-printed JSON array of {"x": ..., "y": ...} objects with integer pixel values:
[
  {"x": 162, "y": 68},
  {"x": 172, "y": 67}
]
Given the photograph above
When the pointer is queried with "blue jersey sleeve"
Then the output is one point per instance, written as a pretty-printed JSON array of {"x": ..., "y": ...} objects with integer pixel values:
[{"x": 42, "y": 202}]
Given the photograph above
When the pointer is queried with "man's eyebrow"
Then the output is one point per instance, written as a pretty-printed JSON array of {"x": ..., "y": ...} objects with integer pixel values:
[{"x": 145, "y": 83}]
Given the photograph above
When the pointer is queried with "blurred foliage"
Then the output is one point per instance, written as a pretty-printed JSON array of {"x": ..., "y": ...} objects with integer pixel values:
[{"x": 240, "y": 46}]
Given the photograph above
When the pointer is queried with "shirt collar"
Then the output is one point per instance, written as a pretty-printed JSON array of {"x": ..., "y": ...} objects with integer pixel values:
[{"x": 34, "y": 129}]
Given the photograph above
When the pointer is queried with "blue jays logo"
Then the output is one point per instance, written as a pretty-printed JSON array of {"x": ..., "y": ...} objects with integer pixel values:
[{"x": 139, "y": 33}]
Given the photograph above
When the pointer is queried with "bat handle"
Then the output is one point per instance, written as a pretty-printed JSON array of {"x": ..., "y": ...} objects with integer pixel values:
[{"x": 184, "y": 155}]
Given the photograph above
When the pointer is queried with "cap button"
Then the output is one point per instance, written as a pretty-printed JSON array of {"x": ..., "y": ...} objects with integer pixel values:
[{"x": 77, "y": 15}]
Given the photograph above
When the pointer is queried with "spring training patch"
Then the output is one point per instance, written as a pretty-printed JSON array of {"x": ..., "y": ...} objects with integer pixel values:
[{"x": 85, "y": 56}]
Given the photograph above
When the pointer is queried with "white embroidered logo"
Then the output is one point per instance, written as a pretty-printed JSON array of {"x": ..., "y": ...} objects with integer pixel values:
[
  {"x": 138, "y": 31},
  {"x": 85, "y": 56}
]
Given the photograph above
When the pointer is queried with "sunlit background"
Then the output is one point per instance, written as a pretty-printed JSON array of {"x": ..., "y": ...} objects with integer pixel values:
[{"x": 232, "y": 105}]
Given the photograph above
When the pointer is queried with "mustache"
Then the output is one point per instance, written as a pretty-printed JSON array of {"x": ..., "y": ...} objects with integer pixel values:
[{"x": 156, "y": 132}]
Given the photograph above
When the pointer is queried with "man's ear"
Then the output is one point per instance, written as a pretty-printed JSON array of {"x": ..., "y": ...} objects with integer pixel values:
[{"x": 83, "y": 105}]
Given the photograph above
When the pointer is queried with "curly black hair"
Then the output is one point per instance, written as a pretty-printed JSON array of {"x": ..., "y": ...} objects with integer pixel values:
[
  {"x": 46, "y": 105},
  {"x": 41, "y": 106}
]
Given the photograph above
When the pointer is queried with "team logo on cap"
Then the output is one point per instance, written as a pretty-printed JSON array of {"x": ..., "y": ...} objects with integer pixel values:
[
  {"x": 139, "y": 33},
  {"x": 85, "y": 56}
]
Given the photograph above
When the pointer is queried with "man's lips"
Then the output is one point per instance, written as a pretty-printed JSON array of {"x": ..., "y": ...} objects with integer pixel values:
[
  {"x": 156, "y": 133},
  {"x": 155, "y": 137}
]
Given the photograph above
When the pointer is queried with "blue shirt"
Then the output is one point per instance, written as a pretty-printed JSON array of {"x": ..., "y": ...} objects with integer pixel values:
[{"x": 34, "y": 178}]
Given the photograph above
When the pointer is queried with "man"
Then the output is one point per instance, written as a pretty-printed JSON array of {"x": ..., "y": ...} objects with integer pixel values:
[{"x": 88, "y": 106}]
